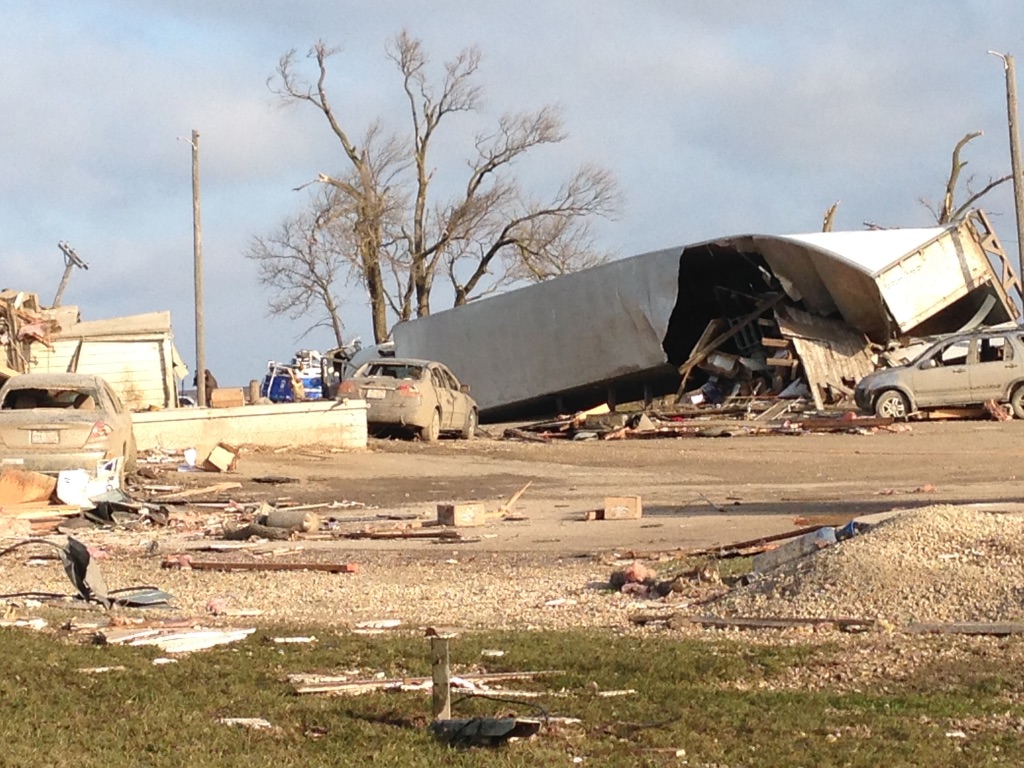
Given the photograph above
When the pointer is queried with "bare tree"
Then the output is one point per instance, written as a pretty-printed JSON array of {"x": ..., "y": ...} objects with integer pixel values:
[
  {"x": 950, "y": 211},
  {"x": 303, "y": 261},
  {"x": 488, "y": 235}
]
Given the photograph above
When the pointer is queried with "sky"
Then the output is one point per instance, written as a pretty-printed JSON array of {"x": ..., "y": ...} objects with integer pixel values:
[{"x": 717, "y": 119}]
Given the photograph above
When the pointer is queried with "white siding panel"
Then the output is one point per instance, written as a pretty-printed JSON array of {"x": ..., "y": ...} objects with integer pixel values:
[{"x": 134, "y": 368}]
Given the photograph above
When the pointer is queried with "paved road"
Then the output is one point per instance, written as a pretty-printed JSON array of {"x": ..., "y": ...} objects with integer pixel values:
[{"x": 696, "y": 492}]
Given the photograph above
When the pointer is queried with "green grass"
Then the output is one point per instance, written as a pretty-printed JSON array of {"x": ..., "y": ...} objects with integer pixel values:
[{"x": 716, "y": 698}]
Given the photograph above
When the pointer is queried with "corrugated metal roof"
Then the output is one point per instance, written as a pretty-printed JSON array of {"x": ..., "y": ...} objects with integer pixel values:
[{"x": 871, "y": 250}]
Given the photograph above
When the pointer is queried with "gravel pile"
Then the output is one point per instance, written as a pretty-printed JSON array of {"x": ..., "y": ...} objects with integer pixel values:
[{"x": 936, "y": 564}]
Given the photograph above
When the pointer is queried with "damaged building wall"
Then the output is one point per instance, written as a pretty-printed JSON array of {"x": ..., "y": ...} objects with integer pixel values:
[
  {"x": 635, "y": 322},
  {"x": 134, "y": 354}
]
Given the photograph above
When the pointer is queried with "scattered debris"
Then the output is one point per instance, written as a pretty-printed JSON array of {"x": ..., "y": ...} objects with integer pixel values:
[
  {"x": 174, "y": 640},
  {"x": 345, "y": 686},
  {"x": 255, "y": 723}
]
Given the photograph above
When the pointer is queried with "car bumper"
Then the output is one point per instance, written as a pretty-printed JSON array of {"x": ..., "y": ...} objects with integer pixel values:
[
  {"x": 410, "y": 414},
  {"x": 55, "y": 463},
  {"x": 863, "y": 399}
]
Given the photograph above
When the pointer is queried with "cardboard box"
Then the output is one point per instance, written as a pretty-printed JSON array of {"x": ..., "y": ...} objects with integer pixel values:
[
  {"x": 227, "y": 397},
  {"x": 463, "y": 514},
  {"x": 622, "y": 508},
  {"x": 222, "y": 458}
]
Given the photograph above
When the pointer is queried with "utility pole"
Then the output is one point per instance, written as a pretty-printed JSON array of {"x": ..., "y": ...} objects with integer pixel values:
[
  {"x": 197, "y": 253},
  {"x": 1015, "y": 161},
  {"x": 71, "y": 260}
]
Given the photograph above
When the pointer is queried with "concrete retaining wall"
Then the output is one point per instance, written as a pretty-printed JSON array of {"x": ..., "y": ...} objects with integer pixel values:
[{"x": 338, "y": 424}]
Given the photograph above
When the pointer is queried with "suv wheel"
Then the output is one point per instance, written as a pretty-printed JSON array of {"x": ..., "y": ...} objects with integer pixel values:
[
  {"x": 1017, "y": 402},
  {"x": 891, "y": 404}
]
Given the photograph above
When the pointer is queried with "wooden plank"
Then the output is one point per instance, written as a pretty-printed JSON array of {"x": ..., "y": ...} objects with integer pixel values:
[
  {"x": 757, "y": 542},
  {"x": 39, "y": 511},
  {"x": 192, "y": 492},
  {"x": 223, "y": 565},
  {"x": 767, "y": 341}
]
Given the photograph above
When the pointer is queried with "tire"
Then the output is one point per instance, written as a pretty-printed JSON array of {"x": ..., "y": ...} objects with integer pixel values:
[
  {"x": 469, "y": 431},
  {"x": 1017, "y": 402},
  {"x": 891, "y": 404},
  {"x": 431, "y": 432}
]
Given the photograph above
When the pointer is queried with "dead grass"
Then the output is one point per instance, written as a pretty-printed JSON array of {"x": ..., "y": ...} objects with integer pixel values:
[{"x": 716, "y": 698}]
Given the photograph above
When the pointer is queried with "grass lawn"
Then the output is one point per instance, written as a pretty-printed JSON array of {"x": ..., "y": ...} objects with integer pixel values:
[{"x": 725, "y": 700}]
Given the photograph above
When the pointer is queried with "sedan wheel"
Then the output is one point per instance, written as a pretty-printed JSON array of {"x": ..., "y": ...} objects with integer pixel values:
[
  {"x": 429, "y": 434},
  {"x": 891, "y": 405},
  {"x": 469, "y": 431}
]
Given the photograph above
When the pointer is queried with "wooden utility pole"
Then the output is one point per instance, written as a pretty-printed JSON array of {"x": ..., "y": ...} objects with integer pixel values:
[
  {"x": 71, "y": 260},
  {"x": 197, "y": 253},
  {"x": 1015, "y": 161}
]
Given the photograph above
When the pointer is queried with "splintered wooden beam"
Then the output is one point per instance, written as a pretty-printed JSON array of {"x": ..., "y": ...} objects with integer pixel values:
[{"x": 703, "y": 351}]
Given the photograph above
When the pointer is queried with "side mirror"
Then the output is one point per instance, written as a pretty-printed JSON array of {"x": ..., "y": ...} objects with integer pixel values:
[
  {"x": 464, "y": 389},
  {"x": 930, "y": 363}
]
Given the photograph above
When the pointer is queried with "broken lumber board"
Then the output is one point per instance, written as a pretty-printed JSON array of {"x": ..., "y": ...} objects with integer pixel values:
[
  {"x": 225, "y": 565},
  {"x": 39, "y": 511},
  {"x": 997, "y": 629},
  {"x": 755, "y": 542},
  {"x": 417, "y": 534},
  {"x": 747, "y": 622},
  {"x": 522, "y": 434},
  {"x": 311, "y": 683},
  {"x": 826, "y": 424},
  {"x": 191, "y": 492}
]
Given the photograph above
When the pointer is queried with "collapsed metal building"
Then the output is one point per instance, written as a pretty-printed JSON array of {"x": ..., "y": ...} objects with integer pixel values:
[{"x": 763, "y": 313}]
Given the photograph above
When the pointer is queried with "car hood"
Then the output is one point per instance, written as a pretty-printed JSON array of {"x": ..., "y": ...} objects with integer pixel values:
[{"x": 884, "y": 378}]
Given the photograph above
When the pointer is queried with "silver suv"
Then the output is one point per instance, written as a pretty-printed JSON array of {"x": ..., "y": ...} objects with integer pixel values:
[{"x": 961, "y": 369}]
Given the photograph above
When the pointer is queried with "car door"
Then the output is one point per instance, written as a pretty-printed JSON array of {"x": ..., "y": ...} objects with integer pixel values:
[
  {"x": 994, "y": 369},
  {"x": 444, "y": 397},
  {"x": 460, "y": 409},
  {"x": 942, "y": 377}
]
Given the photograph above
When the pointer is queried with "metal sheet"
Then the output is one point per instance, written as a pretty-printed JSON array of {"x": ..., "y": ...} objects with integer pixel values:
[{"x": 552, "y": 337}]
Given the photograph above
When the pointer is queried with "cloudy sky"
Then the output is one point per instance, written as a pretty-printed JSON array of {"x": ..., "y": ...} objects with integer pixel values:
[{"x": 716, "y": 118}]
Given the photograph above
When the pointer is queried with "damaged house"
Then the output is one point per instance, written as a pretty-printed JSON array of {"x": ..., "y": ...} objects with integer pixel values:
[
  {"x": 136, "y": 354},
  {"x": 754, "y": 315}
]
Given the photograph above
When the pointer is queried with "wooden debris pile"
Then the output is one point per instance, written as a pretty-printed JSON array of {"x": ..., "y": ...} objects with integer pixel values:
[
  {"x": 22, "y": 321},
  {"x": 739, "y": 417}
]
